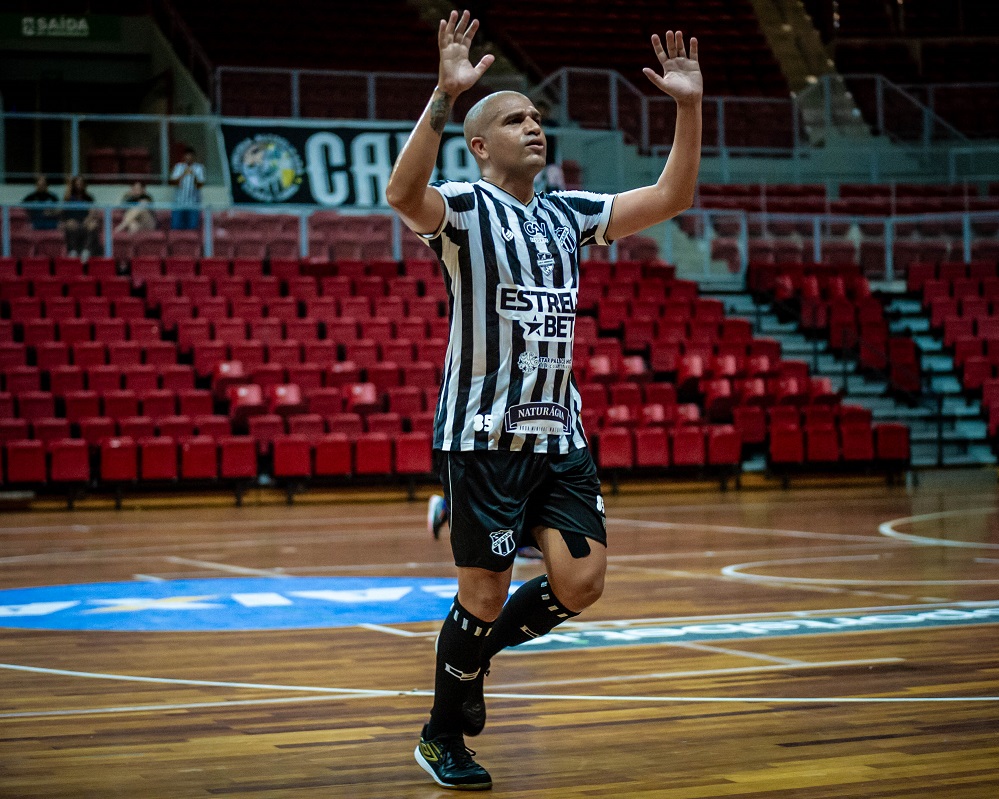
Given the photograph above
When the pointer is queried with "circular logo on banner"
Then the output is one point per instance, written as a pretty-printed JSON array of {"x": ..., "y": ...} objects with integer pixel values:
[
  {"x": 268, "y": 167},
  {"x": 240, "y": 603}
]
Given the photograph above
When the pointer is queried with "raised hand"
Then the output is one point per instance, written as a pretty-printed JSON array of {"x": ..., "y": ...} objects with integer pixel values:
[
  {"x": 681, "y": 78},
  {"x": 454, "y": 38}
]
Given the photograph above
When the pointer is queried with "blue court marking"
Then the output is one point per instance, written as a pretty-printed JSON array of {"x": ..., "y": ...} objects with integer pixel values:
[
  {"x": 777, "y": 627},
  {"x": 237, "y": 603}
]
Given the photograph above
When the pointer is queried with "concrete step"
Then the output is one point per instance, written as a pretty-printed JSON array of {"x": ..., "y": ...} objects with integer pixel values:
[
  {"x": 910, "y": 324},
  {"x": 906, "y": 306}
]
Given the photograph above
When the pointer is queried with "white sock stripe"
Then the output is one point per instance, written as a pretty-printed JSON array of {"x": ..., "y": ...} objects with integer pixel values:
[{"x": 546, "y": 597}]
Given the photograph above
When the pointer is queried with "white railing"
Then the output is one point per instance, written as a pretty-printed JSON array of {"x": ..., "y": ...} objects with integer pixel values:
[{"x": 707, "y": 228}]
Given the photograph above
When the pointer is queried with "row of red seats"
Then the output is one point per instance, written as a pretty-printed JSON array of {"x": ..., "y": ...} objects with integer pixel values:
[
  {"x": 94, "y": 429},
  {"x": 687, "y": 447},
  {"x": 77, "y": 404},
  {"x": 160, "y": 459},
  {"x": 268, "y": 288},
  {"x": 60, "y": 379},
  {"x": 949, "y": 271},
  {"x": 826, "y": 444}
]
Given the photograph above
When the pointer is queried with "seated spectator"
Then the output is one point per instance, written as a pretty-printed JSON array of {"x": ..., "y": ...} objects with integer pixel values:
[
  {"x": 42, "y": 219},
  {"x": 138, "y": 216},
  {"x": 78, "y": 223}
]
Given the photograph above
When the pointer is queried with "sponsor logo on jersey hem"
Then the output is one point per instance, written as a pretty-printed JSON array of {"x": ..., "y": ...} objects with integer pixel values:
[
  {"x": 530, "y": 362},
  {"x": 541, "y": 418}
]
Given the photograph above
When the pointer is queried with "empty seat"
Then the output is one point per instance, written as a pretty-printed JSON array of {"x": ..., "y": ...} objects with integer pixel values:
[
  {"x": 25, "y": 462},
  {"x": 237, "y": 457},
  {"x": 69, "y": 461},
  {"x": 292, "y": 456},
  {"x": 373, "y": 454},
  {"x": 119, "y": 460},
  {"x": 198, "y": 458}
]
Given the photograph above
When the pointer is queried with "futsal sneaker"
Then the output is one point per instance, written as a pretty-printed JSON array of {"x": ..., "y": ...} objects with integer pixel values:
[
  {"x": 473, "y": 709},
  {"x": 450, "y": 763},
  {"x": 436, "y": 514}
]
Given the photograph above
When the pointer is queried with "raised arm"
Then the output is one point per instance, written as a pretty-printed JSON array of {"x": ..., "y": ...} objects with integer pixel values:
[
  {"x": 421, "y": 207},
  {"x": 638, "y": 209}
]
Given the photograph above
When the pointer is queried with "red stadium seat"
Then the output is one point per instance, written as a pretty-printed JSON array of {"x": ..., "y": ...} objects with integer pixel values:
[
  {"x": 198, "y": 458},
  {"x": 615, "y": 448},
  {"x": 69, "y": 461},
  {"x": 334, "y": 456},
  {"x": 157, "y": 459},
  {"x": 237, "y": 457},
  {"x": 413, "y": 453},
  {"x": 25, "y": 462},
  {"x": 651, "y": 447},
  {"x": 688, "y": 446},
  {"x": 373, "y": 454},
  {"x": 119, "y": 460},
  {"x": 292, "y": 456},
  {"x": 724, "y": 446},
  {"x": 787, "y": 444}
]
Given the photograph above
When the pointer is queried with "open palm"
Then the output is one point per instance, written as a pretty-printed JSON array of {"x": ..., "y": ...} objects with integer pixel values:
[
  {"x": 681, "y": 78},
  {"x": 454, "y": 38}
]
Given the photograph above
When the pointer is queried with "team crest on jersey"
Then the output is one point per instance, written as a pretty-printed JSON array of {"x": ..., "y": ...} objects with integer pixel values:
[
  {"x": 502, "y": 542},
  {"x": 565, "y": 239}
]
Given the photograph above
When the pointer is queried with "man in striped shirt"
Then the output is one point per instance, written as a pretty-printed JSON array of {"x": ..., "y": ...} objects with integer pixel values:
[
  {"x": 188, "y": 176},
  {"x": 508, "y": 441}
]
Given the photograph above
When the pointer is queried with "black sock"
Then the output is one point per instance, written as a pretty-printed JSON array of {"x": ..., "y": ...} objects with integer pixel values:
[
  {"x": 459, "y": 650},
  {"x": 532, "y": 611}
]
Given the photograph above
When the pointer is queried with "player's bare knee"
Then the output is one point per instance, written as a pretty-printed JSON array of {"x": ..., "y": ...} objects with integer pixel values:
[
  {"x": 579, "y": 589},
  {"x": 483, "y": 593}
]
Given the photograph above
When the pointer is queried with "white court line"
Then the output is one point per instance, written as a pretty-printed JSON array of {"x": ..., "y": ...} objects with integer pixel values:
[
  {"x": 224, "y": 567},
  {"x": 356, "y": 693},
  {"x": 201, "y": 683},
  {"x": 381, "y": 628},
  {"x": 720, "y": 650},
  {"x": 888, "y": 529},
  {"x": 33, "y": 714},
  {"x": 735, "y": 571},
  {"x": 148, "y": 578}
]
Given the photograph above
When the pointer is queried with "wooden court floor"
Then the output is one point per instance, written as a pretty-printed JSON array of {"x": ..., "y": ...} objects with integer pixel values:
[{"x": 815, "y": 642}]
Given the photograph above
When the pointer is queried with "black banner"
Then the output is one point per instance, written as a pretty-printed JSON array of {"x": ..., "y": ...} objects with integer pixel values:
[{"x": 334, "y": 165}]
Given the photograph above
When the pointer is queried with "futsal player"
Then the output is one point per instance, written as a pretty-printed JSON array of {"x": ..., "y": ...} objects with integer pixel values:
[{"x": 509, "y": 446}]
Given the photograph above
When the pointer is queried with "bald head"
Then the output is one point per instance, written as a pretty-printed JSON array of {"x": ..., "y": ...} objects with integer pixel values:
[{"x": 484, "y": 112}]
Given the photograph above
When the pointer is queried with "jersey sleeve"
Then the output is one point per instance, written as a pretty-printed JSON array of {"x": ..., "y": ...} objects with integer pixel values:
[
  {"x": 459, "y": 199},
  {"x": 592, "y": 212}
]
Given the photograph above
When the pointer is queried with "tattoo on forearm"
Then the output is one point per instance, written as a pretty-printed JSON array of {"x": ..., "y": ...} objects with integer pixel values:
[{"x": 440, "y": 110}]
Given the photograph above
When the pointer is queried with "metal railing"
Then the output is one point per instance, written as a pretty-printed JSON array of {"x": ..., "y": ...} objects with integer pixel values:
[
  {"x": 712, "y": 245},
  {"x": 715, "y": 244}
]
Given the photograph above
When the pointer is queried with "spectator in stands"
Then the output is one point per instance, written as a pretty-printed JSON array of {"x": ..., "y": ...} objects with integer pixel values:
[
  {"x": 515, "y": 467},
  {"x": 42, "y": 218},
  {"x": 79, "y": 223},
  {"x": 551, "y": 178},
  {"x": 188, "y": 176},
  {"x": 139, "y": 215}
]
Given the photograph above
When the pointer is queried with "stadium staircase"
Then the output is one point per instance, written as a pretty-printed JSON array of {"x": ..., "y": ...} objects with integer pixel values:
[{"x": 947, "y": 426}]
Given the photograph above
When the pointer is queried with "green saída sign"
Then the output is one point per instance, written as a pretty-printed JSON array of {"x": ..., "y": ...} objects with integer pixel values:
[{"x": 48, "y": 27}]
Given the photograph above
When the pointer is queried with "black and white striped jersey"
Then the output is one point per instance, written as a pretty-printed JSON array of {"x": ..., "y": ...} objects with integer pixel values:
[{"x": 512, "y": 276}]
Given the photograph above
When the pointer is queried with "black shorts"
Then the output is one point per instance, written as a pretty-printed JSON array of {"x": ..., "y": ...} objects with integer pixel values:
[{"x": 497, "y": 498}]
